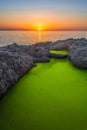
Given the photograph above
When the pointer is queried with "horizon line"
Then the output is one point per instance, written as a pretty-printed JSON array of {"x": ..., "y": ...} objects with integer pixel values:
[{"x": 43, "y": 30}]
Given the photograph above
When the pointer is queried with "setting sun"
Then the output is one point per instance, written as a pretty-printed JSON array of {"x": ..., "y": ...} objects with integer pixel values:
[
  {"x": 60, "y": 17},
  {"x": 40, "y": 29}
]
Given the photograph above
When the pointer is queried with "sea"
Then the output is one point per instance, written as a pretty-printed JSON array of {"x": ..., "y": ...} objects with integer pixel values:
[{"x": 32, "y": 37}]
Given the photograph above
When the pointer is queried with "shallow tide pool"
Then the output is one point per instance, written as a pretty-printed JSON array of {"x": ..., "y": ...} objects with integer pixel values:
[{"x": 52, "y": 96}]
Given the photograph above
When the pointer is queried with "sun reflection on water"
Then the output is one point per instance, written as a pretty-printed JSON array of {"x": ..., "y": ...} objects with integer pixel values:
[{"x": 39, "y": 36}]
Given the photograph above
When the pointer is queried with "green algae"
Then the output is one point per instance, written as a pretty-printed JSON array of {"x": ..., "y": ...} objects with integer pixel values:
[
  {"x": 59, "y": 51},
  {"x": 52, "y": 96}
]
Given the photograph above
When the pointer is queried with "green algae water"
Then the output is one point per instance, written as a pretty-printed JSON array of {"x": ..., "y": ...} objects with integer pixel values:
[
  {"x": 59, "y": 52},
  {"x": 52, "y": 96}
]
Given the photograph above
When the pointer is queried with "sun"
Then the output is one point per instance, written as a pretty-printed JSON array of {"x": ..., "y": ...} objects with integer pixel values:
[{"x": 39, "y": 28}]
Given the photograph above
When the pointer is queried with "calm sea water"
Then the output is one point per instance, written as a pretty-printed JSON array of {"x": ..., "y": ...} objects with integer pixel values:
[{"x": 28, "y": 37}]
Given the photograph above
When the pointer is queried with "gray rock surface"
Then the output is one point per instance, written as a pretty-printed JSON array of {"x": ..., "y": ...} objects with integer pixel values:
[
  {"x": 59, "y": 56},
  {"x": 78, "y": 54},
  {"x": 12, "y": 67}
]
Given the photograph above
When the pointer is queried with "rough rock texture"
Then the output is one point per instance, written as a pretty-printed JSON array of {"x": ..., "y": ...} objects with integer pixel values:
[
  {"x": 16, "y": 60},
  {"x": 59, "y": 56},
  {"x": 12, "y": 67},
  {"x": 78, "y": 54}
]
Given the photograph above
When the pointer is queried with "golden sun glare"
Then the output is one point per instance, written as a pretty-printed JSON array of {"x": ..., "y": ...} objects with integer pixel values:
[{"x": 39, "y": 28}]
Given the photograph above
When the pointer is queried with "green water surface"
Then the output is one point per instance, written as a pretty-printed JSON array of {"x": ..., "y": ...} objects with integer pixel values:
[
  {"x": 59, "y": 51},
  {"x": 52, "y": 96}
]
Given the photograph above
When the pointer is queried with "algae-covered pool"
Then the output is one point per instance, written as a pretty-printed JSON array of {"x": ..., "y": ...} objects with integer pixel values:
[{"x": 52, "y": 96}]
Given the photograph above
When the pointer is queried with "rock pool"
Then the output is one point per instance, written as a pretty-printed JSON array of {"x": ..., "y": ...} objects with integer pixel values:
[{"x": 52, "y": 96}]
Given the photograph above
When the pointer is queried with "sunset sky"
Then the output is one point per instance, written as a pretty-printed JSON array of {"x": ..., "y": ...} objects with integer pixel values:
[{"x": 43, "y": 14}]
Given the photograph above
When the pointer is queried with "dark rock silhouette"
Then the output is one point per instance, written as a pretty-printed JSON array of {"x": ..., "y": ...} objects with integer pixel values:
[{"x": 16, "y": 60}]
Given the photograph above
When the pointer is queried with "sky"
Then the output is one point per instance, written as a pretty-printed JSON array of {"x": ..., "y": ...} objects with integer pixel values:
[{"x": 43, "y": 14}]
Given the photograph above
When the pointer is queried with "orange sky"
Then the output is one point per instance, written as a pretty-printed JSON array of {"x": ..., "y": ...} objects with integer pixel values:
[
  {"x": 57, "y": 16},
  {"x": 37, "y": 20}
]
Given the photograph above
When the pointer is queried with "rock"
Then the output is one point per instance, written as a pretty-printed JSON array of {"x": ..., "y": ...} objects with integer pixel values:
[
  {"x": 43, "y": 59},
  {"x": 58, "y": 56},
  {"x": 12, "y": 67},
  {"x": 78, "y": 54}
]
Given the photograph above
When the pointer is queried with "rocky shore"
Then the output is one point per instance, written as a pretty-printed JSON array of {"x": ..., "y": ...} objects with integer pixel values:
[{"x": 16, "y": 60}]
